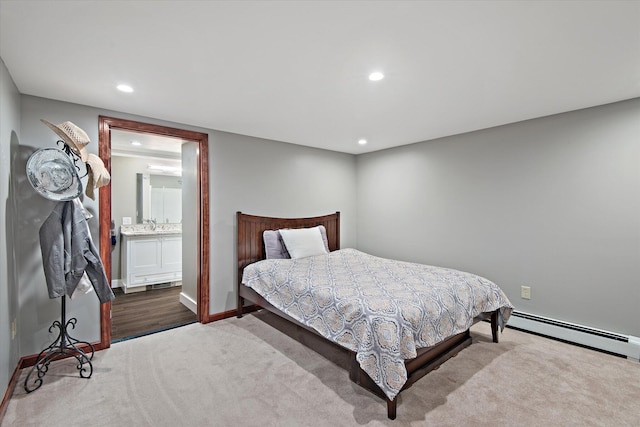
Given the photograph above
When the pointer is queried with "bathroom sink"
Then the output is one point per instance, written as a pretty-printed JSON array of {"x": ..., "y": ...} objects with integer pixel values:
[{"x": 149, "y": 230}]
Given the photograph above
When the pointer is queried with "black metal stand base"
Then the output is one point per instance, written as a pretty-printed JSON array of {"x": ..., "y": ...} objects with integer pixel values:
[{"x": 63, "y": 346}]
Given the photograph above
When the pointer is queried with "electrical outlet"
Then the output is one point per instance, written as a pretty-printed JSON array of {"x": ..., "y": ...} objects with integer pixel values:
[
  {"x": 525, "y": 292},
  {"x": 13, "y": 328}
]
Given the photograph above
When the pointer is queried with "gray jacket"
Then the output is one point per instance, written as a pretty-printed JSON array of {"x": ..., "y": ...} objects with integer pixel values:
[{"x": 68, "y": 251}]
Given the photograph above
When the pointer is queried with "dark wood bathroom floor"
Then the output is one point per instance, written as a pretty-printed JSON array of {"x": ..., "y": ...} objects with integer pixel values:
[{"x": 141, "y": 313}]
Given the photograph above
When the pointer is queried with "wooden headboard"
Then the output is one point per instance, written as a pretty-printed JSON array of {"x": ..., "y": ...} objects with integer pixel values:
[
  {"x": 251, "y": 227},
  {"x": 251, "y": 244}
]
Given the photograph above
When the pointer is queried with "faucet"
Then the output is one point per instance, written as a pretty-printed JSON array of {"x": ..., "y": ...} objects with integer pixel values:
[{"x": 152, "y": 222}]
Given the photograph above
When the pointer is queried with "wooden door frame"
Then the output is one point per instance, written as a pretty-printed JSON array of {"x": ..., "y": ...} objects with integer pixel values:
[{"x": 105, "y": 124}]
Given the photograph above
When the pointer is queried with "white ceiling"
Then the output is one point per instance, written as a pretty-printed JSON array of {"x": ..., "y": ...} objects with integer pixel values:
[{"x": 297, "y": 71}]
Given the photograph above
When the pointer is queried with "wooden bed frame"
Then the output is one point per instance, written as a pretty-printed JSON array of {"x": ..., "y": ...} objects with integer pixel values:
[{"x": 251, "y": 249}]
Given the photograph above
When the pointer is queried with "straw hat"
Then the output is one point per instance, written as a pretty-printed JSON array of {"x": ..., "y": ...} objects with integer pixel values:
[
  {"x": 53, "y": 175},
  {"x": 73, "y": 136},
  {"x": 98, "y": 175}
]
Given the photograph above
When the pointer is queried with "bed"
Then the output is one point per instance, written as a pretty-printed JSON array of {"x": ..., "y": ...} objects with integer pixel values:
[{"x": 386, "y": 355}]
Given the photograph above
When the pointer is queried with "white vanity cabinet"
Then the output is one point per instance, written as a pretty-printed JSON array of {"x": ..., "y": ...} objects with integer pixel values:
[{"x": 149, "y": 259}]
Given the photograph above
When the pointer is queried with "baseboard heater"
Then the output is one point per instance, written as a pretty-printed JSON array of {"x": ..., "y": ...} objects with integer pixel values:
[{"x": 622, "y": 345}]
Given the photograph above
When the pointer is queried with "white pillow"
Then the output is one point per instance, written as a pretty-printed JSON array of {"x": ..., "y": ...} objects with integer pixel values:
[{"x": 303, "y": 242}]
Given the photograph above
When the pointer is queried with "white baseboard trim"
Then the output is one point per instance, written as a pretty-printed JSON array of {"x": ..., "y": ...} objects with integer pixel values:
[
  {"x": 116, "y": 283},
  {"x": 623, "y": 345},
  {"x": 188, "y": 302}
]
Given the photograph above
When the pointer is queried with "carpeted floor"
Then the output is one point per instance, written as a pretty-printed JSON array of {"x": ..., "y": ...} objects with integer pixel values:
[{"x": 243, "y": 372}]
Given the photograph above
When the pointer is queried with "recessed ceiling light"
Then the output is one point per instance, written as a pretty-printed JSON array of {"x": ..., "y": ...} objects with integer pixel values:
[
  {"x": 136, "y": 143},
  {"x": 125, "y": 88},
  {"x": 362, "y": 141},
  {"x": 374, "y": 77}
]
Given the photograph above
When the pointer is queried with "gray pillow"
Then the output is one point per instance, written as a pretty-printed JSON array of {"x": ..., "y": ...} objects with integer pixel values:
[{"x": 274, "y": 247}]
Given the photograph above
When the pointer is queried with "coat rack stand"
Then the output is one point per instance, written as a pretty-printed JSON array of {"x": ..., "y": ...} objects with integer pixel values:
[{"x": 63, "y": 346}]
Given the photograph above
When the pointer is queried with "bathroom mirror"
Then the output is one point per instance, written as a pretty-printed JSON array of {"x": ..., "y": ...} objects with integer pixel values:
[{"x": 158, "y": 198}]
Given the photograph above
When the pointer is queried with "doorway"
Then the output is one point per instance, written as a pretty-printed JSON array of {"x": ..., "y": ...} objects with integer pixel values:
[
  {"x": 147, "y": 178},
  {"x": 196, "y": 246}
]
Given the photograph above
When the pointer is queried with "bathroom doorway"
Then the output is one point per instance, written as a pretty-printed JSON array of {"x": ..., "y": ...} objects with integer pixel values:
[
  {"x": 153, "y": 310},
  {"x": 115, "y": 135},
  {"x": 146, "y": 241}
]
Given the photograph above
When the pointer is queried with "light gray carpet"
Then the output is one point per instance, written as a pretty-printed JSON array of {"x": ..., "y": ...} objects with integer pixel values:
[{"x": 244, "y": 372}]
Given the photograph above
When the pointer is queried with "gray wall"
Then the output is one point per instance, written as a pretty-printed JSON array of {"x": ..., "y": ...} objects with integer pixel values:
[
  {"x": 9, "y": 285},
  {"x": 123, "y": 198},
  {"x": 551, "y": 203},
  {"x": 263, "y": 177},
  {"x": 36, "y": 311},
  {"x": 249, "y": 174},
  {"x": 190, "y": 198}
]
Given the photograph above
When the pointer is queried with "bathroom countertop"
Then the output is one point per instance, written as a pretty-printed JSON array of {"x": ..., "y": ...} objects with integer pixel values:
[{"x": 150, "y": 229}]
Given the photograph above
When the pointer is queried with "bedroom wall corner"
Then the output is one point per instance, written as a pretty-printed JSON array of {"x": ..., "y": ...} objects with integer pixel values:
[{"x": 271, "y": 178}]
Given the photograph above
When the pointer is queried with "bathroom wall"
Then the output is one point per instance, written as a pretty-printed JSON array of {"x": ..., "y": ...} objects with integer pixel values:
[
  {"x": 189, "y": 295},
  {"x": 123, "y": 198}
]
